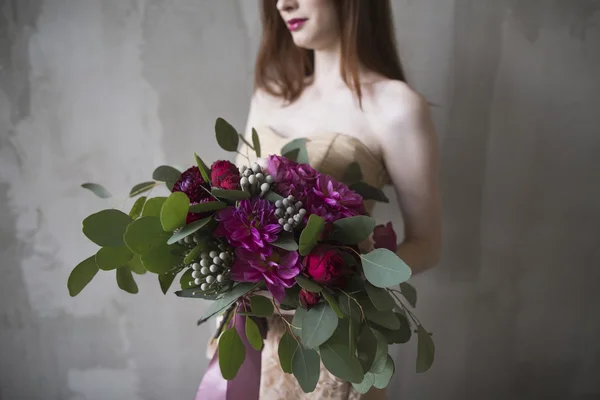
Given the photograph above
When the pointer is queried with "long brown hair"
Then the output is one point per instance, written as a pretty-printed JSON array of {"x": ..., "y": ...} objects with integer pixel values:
[{"x": 367, "y": 39}]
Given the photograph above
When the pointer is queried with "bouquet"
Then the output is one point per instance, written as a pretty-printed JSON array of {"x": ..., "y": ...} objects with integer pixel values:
[{"x": 263, "y": 239}]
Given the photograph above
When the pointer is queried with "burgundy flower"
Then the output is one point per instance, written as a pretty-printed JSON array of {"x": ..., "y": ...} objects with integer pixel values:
[
  {"x": 275, "y": 266},
  {"x": 308, "y": 299},
  {"x": 225, "y": 175},
  {"x": 193, "y": 185},
  {"x": 291, "y": 177},
  {"x": 252, "y": 225},
  {"x": 332, "y": 200},
  {"x": 325, "y": 265},
  {"x": 385, "y": 237}
]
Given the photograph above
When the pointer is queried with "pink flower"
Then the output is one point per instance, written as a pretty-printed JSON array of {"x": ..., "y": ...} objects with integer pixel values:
[
  {"x": 291, "y": 177},
  {"x": 225, "y": 175},
  {"x": 385, "y": 237},
  {"x": 275, "y": 266},
  {"x": 332, "y": 200},
  {"x": 325, "y": 265},
  {"x": 252, "y": 225}
]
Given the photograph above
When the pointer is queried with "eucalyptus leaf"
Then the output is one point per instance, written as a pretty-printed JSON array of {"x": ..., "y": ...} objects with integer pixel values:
[
  {"x": 153, "y": 206},
  {"x": 106, "y": 227},
  {"x": 409, "y": 293},
  {"x": 209, "y": 206},
  {"x": 353, "y": 174},
  {"x": 125, "y": 280},
  {"x": 366, "y": 347},
  {"x": 227, "y": 300},
  {"x": 381, "y": 354},
  {"x": 298, "y": 321},
  {"x": 353, "y": 230},
  {"x": 350, "y": 309},
  {"x": 261, "y": 306},
  {"x": 253, "y": 334},
  {"x": 384, "y": 268},
  {"x": 307, "y": 284},
  {"x": 290, "y": 302},
  {"x": 166, "y": 173},
  {"x": 273, "y": 197},
  {"x": 138, "y": 206},
  {"x": 186, "y": 280},
  {"x": 174, "y": 211},
  {"x": 366, "y": 384},
  {"x": 234, "y": 195},
  {"x": 227, "y": 136},
  {"x": 135, "y": 265},
  {"x": 287, "y": 348},
  {"x": 188, "y": 230},
  {"x": 144, "y": 234},
  {"x": 81, "y": 275},
  {"x": 97, "y": 189},
  {"x": 425, "y": 350},
  {"x": 109, "y": 258},
  {"x": 383, "y": 378},
  {"x": 166, "y": 280},
  {"x": 204, "y": 170},
  {"x": 306, "y": 367},
  {"x": 338, "y": 360},
  {"x": 311, "y": 234},
  {"x": 142, "y": 188},
  {"x": 232, "y": 353},
  {"x": 369, "y": 192},
  {"x": 286, "y": 241},
  {"x": 381, "y": 298},
  {"x": 292, "y": 155},
  {"x": 256, "y": 142},
  {"x": 161, "y": 258},
  {"x": 387, "y": 319},
  {"x": 297, "y": 146},
  {"x": 194, "y": 254},
  {"x": 318, "y": 325},
  {"x": 333, "y": 303}
]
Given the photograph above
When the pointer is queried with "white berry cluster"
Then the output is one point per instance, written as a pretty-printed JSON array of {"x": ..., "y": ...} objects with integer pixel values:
[
  {"x": 213, "y": 271},
  {"x": 289, "y": 212},
  {"x": 254, "y": 180}
]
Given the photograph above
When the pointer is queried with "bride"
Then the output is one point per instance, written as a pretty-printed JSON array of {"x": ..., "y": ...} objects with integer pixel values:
[{"x": 328, "y": 71}]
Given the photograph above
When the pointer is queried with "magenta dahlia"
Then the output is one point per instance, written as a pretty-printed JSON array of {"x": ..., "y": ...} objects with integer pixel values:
[
  {"x": 332, "y": 200},
  {"x": 252, "y": 225},
  {"x": 275, "y": 266},
  {"x": 291, "y": 177}
]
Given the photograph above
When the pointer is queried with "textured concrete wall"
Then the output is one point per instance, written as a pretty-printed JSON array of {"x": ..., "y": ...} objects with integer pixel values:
[{"x": 105, "y": 90}]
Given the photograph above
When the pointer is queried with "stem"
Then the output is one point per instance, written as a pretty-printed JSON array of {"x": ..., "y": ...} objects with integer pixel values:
[
  {"x": 209, "y": 192},
  {"x": 357, "y": 303},
  {"x": 244, "y": 155},
  {"x": 406, "y": 310},
  {"x": 288, "y": 324},
  {"x": 246, "y": 142}
]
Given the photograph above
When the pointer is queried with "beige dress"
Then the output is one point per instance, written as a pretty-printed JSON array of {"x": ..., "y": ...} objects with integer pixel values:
[{"x": 329, "y": 153}]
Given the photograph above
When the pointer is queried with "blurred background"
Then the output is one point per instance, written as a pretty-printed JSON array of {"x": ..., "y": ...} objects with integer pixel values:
[{"x": 106, "y": 90}]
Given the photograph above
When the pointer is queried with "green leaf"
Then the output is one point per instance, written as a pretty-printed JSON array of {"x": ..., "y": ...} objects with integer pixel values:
[
  {"x": 137, "y": 207},
  {"x": 204, "y": 170},
  {"x": 144, "y": 234},
  {"x": 207, "y": 207},
  {"x": 253, "y": 334},
  {"x": 286, "y": 241},
  {"x": 350, "y": 308},
  {"x": 366, "y": 347},
  {"x": 97, "y": 189},
  {"x": 286, "y": 350},
  {"x": 166, "y": 173},
  {"x": 383, "y": 378},
  {"x": 353, "y": 174},
  {"x": 188, "y": 230},
  {"x": 318, "y": 325},
  {"x": 307, "y": 284},
  {"x": 162, "y": 258},
  {"x": 381, "y": 353},
  {"x": 297, "y": 147},
  {"x": 273, "y": 197},
  {"x": 153, "y": 206},
  {"x": 292, "y": 155},
  {"x": 366, "y": 383},
  {"x": 136, "y": 266},
  {"x": 261, "y": 306},
  {"x": 232, "y": 353},
  {"x": 227, "y": 136},
  {"x": 174, "y": 211},
  {"x": 290, "y": 301},
  {"x": 142, "y": 188},
  {"x": 256, "y": 142},
  {"x": 387, "y": 319},
  {"x": 297, "y": 321},
  {"x": 353, "y": 230},
  {"x": 409, "y": 293},
  {"x": 338, "y": 360},
  {"x": 306, "y": 367},
  {"x": 81, "y": 275},
  {"x": 228, "y": 299},
  {"x": 381, "y": 298},
  {"x": 106, "y": 228},
  {"x": 125, "y": 280},
  {"x": 384, "y": 268},
  {"x": 311, "y": 234},
  {"x": 166, "y": 280},
  {"x": 401, "y": 335},
  {"x": 330, "y": 298},
  {"x": 234, "y": 195},
  {"x": 369, "y": 192},
  {"x": 108, "y": 258},
  {"x": 187, "y": 280},
  {"x": 196, "y": 293},
  {"x": 194, "y": 254},
  {"x": 425, "y": 350}
]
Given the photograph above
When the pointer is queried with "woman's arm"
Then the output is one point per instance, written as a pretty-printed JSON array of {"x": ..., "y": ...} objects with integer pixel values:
[{"x": 410, "y": 150}]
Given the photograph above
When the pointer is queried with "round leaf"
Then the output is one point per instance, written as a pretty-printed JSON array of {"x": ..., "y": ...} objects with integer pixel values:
[
  {"x": 350, "y": 308},
  {"x": 387, "y": 319},
  {"x": 353, "y": 174},
  {"x": 145, "y": 233},
  {"x": 286, "y": 242},
  {"x": 286, "y": 350},
  {"x": 297, "y": 321},
  {"x": 369, "y": 192},
  {"x": 108, "y": 258},
  {"x": 253, "y": 334},
  {"x": 367, "y": 347},
  {"x": 187, "y": 280},
  {"x": 188, "y": 230},
  {"x": 353, "y": 230},
  {"x": 366, "y": 383},
  {"x": 306, "y": 367},
  {"x": 381, "y": 298},
  {"x": 227, "y": 136},
  {"x": 166, "y": 280},
  {"x": 307, "y": 284},
  {"x": 425, "y": 350},
  {"x": 409, "y": 293},
  {"x": 381, "y": 353},
  {"x": 384, "y": 268},
  {"x": 330, "y": 298},
  {"x": 153, "y": 206},
  {"x": 162, "y": 258},
  {"x": 261, "y": 306},
  {"x": 318, "y": 325},
  {"x": 125, "y": 280},
  {"x": 383, "y": 378},
  {"x": 136, "y": 266},
  {"x": 137, "y": 207},
  {"x": 97, "y": 189},
  {"x": 232, "y": 353},
  {"x": 166, "y": 173},
  {"x": 296, "y": 151},
  {"x": 174, "y": 211},
  {"x": 81, "y": 275},
  {"x": 141, "y": 188},
  {"x": 106, "y": 228},
  {"x": 311, "y": 234},
  {"x": 338, "y": 360}
]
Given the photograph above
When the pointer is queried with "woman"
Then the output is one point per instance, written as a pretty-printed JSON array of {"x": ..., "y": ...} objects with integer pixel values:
[{"x": 327, "y": 70}]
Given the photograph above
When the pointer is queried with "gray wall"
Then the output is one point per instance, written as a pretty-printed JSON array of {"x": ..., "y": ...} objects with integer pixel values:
[{"x": 106, "y": 90}]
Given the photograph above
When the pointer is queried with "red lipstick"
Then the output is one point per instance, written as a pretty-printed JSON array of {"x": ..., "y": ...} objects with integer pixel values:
[{"x": 296, "y": 23}]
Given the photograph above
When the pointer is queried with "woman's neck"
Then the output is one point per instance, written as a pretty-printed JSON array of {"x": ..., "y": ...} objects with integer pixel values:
[{"x": 327, "y": 71}]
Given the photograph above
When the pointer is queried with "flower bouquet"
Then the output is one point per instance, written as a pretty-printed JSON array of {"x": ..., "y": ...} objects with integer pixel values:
[{"x": 264, "y": 239}]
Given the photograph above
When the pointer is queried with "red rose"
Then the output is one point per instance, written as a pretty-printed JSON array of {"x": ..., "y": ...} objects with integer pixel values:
[
  {"x": 308, "y": 299},
  {"x": 325, "y": 265},
  {"x": 225, "y": 175},
  {"x": 385, "y": 237}
]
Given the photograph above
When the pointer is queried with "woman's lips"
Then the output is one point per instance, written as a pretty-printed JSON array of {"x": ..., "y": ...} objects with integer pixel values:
[{"x": 296, "y": 23}]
